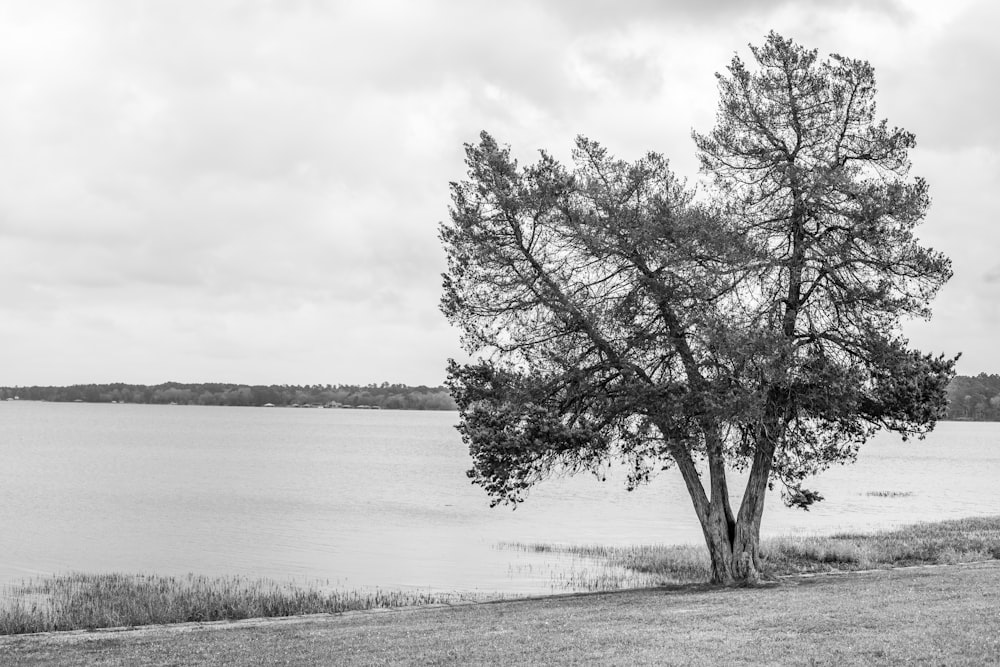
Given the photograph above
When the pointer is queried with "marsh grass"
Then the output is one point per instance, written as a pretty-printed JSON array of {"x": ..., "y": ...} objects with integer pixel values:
[
  {"x": 946, "y": 542},
  {"x": 889, "y": 494},
  {"x": 87, "y": 601},
  {"x": 597, "y": 567}
]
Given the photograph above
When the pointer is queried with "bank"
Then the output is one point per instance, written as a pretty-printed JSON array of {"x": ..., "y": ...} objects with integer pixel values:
[{"x": 946, "y": 614}]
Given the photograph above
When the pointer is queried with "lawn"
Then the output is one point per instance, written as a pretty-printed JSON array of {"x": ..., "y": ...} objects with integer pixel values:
[{"x": 926, "y": 615}]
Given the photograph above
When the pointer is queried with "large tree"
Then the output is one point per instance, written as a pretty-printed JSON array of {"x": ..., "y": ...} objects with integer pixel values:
[{"x": 612, "y": 316}]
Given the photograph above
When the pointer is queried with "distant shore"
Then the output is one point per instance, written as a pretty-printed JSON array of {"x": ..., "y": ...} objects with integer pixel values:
[
  {"x": 373, "y": 396},
  {"x": 970, "y": 398}
]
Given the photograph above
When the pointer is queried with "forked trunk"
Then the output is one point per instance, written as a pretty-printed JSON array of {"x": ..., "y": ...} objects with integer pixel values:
[
  {"x": 734, "y": 550},
  {"x": 734, "y": 544}
]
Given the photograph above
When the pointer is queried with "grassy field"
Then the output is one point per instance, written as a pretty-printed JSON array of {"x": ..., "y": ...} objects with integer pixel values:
[{"x": 934, "y": 615}]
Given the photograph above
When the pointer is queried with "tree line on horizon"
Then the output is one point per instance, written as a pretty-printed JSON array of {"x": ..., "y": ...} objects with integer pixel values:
[
  {"x": 385, "y": 395},
  {"x": 974, "y": 398},
  {"x": 970, "y": 398}
]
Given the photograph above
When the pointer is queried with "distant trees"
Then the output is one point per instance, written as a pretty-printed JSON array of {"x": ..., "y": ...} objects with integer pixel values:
[
  {"x": 611, "y": 316},
  {"x": 385, "y": 395},
  {"x": 974, "y": 398},
  {"x": 969, "y": 397}
]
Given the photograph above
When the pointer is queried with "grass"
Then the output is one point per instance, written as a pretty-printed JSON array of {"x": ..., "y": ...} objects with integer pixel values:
[
  {"x": 603, "y": 568},
  {"x": 889, "y": 494},
  {"x": 934, "y": 616},
  {"x": 946, "y": 542},
  {"x": 88, "y": 601}
]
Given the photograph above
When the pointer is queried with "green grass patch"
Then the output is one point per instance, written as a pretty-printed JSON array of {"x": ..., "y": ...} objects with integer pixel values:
[{"x": 88, "y": 601}]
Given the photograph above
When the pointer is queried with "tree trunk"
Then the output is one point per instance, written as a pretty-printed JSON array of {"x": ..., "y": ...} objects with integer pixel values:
[
  {"x": 734, "y": 551},
  {"x": 718, "y": 538},
  {"x": 734, "y": 543},
  {"x": 746, "y": 545}
]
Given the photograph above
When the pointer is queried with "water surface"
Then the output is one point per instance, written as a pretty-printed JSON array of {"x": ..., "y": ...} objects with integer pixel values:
[{"x": 380, "y": 498}]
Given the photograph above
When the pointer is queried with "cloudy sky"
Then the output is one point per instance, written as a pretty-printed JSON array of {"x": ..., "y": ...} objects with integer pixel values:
[{"x": 249, "y": 190}]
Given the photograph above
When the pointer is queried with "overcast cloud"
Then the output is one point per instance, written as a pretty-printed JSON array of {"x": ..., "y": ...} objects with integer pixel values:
[{"x": 249, "y": 191}]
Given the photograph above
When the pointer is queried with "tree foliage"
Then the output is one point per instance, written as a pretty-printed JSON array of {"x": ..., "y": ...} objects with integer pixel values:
[{"x": 612, "y": 315}]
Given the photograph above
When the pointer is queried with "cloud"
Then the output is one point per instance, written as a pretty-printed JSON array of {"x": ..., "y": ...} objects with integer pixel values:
[
  {"x": 250, "y": 190},
  {"x": 942, "y": 87},
  {"x": 602, "y": 16}
]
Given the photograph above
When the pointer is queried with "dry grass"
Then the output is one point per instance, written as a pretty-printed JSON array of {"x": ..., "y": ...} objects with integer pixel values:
[
  {"x": 935, "y": 616},
  {"x": 602, "y": 568},
  {"x": 87, "y": 601},
  {"x": 947, "y": 542}
]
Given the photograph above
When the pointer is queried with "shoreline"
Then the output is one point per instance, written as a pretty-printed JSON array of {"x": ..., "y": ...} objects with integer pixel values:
[
  {"x": 676, "y": 589},
  {"x": 941, "y": 614},
  {"x": 89, "y": 602}
]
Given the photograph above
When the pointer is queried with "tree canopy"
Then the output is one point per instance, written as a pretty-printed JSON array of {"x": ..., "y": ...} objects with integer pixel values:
[{"x": 612, "y": 314}]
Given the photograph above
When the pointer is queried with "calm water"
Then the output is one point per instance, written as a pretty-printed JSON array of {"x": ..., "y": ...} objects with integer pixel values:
[{"x": 379, "y": 498}]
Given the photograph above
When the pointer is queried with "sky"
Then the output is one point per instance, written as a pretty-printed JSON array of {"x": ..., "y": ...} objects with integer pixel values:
[{"x": 249, "y": 190}]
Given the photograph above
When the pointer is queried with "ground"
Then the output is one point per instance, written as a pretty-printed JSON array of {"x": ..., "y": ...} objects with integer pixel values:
[{"x": 926, "y": 615}]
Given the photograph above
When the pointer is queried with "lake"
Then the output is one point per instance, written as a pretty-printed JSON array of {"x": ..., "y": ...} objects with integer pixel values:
[{"x": 363, "y": 499}]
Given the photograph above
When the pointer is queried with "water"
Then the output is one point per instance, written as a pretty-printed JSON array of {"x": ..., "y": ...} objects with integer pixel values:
[{"x": 380, "y": 498}]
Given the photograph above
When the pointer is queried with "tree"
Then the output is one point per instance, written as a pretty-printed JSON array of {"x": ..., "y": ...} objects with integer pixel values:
[{"x": 612, "y": 316}]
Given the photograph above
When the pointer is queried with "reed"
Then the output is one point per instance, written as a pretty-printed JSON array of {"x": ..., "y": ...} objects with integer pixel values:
[
  {"x": 597, "y": 567},
  {"x": 87, "y": 601},
  {"x": 946, "y": 542}
]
